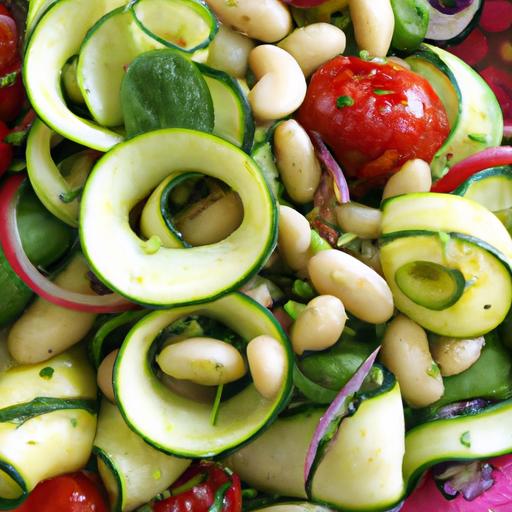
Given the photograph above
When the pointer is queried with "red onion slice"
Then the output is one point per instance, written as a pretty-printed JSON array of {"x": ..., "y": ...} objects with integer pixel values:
[
  {"x": 461, "y": 171},
  {"x": 451, "y": 6},
  {"x": 11, "y": 244},
  {"x": 332, "y": 167},
  {"x": 335, "y": 411}
]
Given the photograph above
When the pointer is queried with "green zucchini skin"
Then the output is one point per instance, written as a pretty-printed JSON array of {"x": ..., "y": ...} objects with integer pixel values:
[
  {"x": 47, "y": 422},
  {"x": 179, "y": 426},
  {"x": 478, "y": 111},
  {"x": 157, "y": 279},
  {"x": 44, "y": 238},
  {"x": 133, "y": 472}
]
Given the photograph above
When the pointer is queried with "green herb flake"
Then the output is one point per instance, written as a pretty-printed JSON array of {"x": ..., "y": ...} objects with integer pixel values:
[
  {"x": 434, "y": 371},
  {"x": 47, "y": 373},
  {"x": 383, "y": 92},
  {"x": 345, "y": 239},
  {"x": 74, "y": 422},
  {"x": 8, "y": 79},
  {"x": 303, "y": 289},
  {"x": 345, "y": 101},
  {"x": 318, "y": 243},
  {"x": 152, "y": 246},
  {"x": 465, "y": 439},
  {"x": 156, "y": 474},
  {"x": 68, "y": 197},
  {"x": 16, "y": 138},
  {"x": 478, "y": 137},
  {"x": 294, "y": 308}
]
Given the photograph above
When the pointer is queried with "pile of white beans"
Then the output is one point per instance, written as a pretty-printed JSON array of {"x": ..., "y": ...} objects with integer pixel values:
[{"x": 343, "y": 282}]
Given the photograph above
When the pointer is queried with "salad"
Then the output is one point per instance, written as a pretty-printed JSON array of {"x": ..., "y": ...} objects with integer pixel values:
[{"x": 255, "y": 255}]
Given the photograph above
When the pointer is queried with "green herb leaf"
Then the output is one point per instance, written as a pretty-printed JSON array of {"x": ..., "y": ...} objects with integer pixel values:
[
  {"x": 8, "y": 79},
  {"x": 478, "y": 137},
  {"x": 344, "y": 101},
  {"x": 383, "y": 92},
  {"x": 294, "y": 308},
  {"x": 303, "y": 289},
  {"x": 164, "y": 89},
  {"x": 465, "y": 439},
  {"x": 216, "y": 405},
  {"x": 47, "y": 373},
  {"x": 220, "y": 493},
  {"x": 16, "y": 138}
]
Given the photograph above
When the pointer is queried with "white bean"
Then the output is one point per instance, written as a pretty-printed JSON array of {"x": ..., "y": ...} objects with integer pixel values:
[
  {"x": 205, "y": 361},
  {"x": 266, "y": 20},
  {"x": 281, "y": 86},
  {"x": 320, "y": 325},
  {"x": 294, "y": 238},
  {"x": 363, "y": 292},
  {"x": 359, "y": 219},
  {"x": 454, "y": 355},
  {"x": 213, "y": 223},
  {"x": 374, "y": 23},
  {"x": 296, "y": 160},
  {"x": 413, "y": 176},
  {"x": 229, "y": 52},
  {"x": 267, "y": 363},
  {"x": 104, "y": 376},
  {"x": 405, "y": 352},
  {"x": 314, "y": 45},
  {"x": 46, "y": 330}
]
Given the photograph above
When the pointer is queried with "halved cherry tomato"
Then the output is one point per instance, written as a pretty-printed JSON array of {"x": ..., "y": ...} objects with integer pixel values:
[
  {"x": 374, "y": 116},
  {"x": 12, "y": 97},
  {"x": 5, "y": 149},
  {"x": 8, "y": 40},
  {"x": 200, "y": 488},
  {"x": 76, "y": 492}
]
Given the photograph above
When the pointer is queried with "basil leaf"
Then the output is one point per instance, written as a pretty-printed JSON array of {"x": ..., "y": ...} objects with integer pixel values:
[{"x": 163, "y": 89}]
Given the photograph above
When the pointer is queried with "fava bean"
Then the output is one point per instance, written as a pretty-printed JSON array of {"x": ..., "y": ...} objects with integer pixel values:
[
  {"x": 455, "y": 355},
  {"x": 320, "y": 325},
  {"x": 413, "y": 176},
  {"x": 46, "y": 330},
  {"x": 280, "y": 84},
  {"x": 314, "y": 45},
  {"x": 104, "y": 377},
  {"x": 267, "y": 363},
  {"x": 266, "y": 20},
  {"x": 205, "y": 361},
  {"x": 296, "y": 160},
  {"x": 406, "y": 353},
  {"x": 363, "y": 292},
  {"x": 359, "y": 219}
]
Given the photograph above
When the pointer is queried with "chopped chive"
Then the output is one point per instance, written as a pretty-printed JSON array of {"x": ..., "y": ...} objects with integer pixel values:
[
  {"x": 383, "y": 92},
  {"x": 8, "y": 79},
  {"x": 216, "y": 405},
  {"x": 434, "y": 371},
  {"x": 47, "y": 373},
  {"x": 344, "y": 101},
  {"x": 303, "y": 289},
  {"x": 478, "y": 137},
  {"x": 364, "y": 55},
  {"x": 67, "y": 197},
  {"x": 294, "y": 308},
  {"x": 345, "y": 239},
  {"x": 220, "y": 494},
  {"x": 465, "y": 439}
]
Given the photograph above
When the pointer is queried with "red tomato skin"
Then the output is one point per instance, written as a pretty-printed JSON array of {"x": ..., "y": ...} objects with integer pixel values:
[
  {"x": 395, "y": 116},
  {"x": 8, "y": 40},
  {"x": 5, "y": 149},
  {"x": 11, "y": 100},
  {"x": 75, "y": 492}
]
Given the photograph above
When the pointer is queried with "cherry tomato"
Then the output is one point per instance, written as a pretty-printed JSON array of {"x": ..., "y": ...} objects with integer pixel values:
[
  {"x": 200, "y": 484},
  {"x": 8, "y": 40},
  {"x": 374, "y": 116},
  {"x": 12, "y": 97},
  {"x": 5, "y": 149},
  {"x": 76, "y": 492}
]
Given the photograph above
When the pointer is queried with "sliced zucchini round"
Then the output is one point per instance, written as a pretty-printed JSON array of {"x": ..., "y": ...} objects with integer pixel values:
[
  {"x": 233, "y": 116},
  {"x": 186, "y": 25},
  {"x": 445, "y": 213},
  {"x": 479, "y": 122},
  {"x": 59, "y": 194},
  {"x": 430, "y": 285},
  {"x": 172, "y": 276},
  {"x": 133, "y": 472},
  {"x": 109, "y": 46},
  {"x": 491, "y": 188},
  {"x": 486, "y": 297},
  {"x": 56, "y": 38},
  {"x": 483, "y": 435},
  {"x": 178, "y": 425}
]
